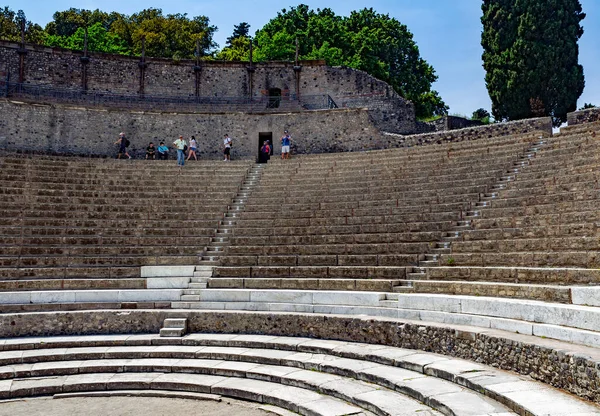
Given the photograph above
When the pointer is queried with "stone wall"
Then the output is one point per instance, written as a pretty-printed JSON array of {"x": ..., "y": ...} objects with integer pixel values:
[
  {"x": 562, "y": 365},
  {"x": 445, "y": 123},
  {"x": 583, "y": 116},
  {"x": 92, "y": 131},
  {"x": 119, "y": 74},
  {"x": 543, "y": 125}
]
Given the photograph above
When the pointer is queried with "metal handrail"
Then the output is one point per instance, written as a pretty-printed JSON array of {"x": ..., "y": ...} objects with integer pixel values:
[{"x": 265, "y": 103}]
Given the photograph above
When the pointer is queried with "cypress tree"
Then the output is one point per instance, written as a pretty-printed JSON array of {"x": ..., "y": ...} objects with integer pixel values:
[{"x": 531, "y": 57}]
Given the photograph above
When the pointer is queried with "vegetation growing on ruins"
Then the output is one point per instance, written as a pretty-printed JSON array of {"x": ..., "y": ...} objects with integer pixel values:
[{"x": 531, "y": 57}]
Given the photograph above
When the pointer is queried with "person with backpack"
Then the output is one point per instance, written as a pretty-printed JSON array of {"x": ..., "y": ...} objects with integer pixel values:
[
  {"x": 227, "y": 142},
  {"x": 181, "y": 147},
  {"x": 123, "y": 143}
]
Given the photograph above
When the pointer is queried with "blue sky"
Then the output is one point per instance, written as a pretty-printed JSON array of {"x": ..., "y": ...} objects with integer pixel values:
[{"x": 446, "y": 31}]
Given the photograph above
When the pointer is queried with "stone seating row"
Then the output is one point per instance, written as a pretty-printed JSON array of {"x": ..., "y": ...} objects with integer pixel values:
[
  {"x": 515, "y": 229},
  {"x": 382, "y": 379},
  {"x": 555, "y": 244},
  {"x": 544, "y": 258},
  {"x": 94, "y": 260},
  {"x": 53, "y": 284},
  {"x": 95, "y": 237},
  {"x": 313, "y": 256},
  {"x": 566, "y": 322},
  {"x": 548, "y": 218},
  {"x": 183, "y": 248},
  {"x": 342, "y": 386},
  {"x": 329, "y": 248},
  {"x": 379, "y": 224},
  {"x": 16, "y": 273},
  {"x": 312, "y": 239}
]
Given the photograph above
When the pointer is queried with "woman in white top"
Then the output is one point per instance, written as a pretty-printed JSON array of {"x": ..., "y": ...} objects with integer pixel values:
[{"x": 193, "y": 147}]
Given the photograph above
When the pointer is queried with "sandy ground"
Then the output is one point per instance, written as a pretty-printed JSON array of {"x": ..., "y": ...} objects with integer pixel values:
[{"x": 129, "y": 406}]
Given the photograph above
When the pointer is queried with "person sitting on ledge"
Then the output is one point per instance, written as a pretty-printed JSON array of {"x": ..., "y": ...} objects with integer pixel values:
[
  {"x": 151, "y": 151},
  {"x": 163, "y": 151}
]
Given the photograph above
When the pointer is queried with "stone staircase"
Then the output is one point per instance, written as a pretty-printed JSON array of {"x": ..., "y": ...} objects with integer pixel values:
[
  {"x": 211, "y": 254},
  {"x": 444, "y": 246}
]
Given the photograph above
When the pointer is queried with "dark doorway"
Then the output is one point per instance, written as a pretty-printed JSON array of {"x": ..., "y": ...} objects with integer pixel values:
[
  {"x": 274, "y": 98},
  {"x": 262, "y": 138}
]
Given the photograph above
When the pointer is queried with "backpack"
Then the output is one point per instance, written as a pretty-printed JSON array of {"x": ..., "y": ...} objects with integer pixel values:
[
  {"x": 127, "y": 142},
  {"x": 185, "y": 148}
]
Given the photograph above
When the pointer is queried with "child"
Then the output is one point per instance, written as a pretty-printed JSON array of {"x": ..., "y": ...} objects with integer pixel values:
[
  {"x": 163, "y": 151},
  {"x": 151, "y": 151}
]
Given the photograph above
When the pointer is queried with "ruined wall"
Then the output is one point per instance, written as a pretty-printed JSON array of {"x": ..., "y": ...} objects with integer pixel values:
[
  {"x": 543, "y": 125},
  {"x": 76, "y": 130},
  {"x": 119, "y": 74},
  {"x": 583, "y": 116}
]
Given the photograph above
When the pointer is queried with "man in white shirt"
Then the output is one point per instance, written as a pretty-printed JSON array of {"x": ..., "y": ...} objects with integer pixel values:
[
  {"x": 180, "y": 145},
  {"x": 227, "y": 148}
]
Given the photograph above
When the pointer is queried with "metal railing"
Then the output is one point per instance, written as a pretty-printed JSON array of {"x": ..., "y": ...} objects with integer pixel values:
[{"x": 42, "y": 93}]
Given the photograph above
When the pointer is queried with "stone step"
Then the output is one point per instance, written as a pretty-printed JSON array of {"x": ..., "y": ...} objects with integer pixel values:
[
  {"x": 175, "y": 323},
  {"x": 482, "y": 204},
  {"x": 172, "y": 332},
  {"x": 202, "y": 277},
  {"x": 448, "y": 384},
  {"x": 204, "y": 269},
  {"x": 88, "y": 296},
  {"x": 193, "y": 291},
  {"x": 209, "y": 262},
  {"x": 200, "y": 285},
  {"x": 294, "y": 399},
  {"x": 403, "y": 289},
  {"x": 428, "y": 263},
  {"x": 416, "y": 276},
  {"x": 441, "y": 250},
  {"x": 190, "y": 298}
]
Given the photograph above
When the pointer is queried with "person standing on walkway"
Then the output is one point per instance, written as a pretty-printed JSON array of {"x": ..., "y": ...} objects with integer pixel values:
[
  {"x": 227, "y": 142},
  {"x": 286, "y": 140},
  {"x": 193, "y": 147},
  {"x": 123, "y": 143},
  {"x": 180, "y": 145}
]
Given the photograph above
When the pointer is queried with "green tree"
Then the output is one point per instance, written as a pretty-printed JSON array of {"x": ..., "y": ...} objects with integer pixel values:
[
  {"x": 241, "y": 30},
  {"x": 99, "y": 40},
  {"x": 531, "y": 57},
  {"x": 587, "y": 106},
  {"x": 238, "y": 50},
  {"x": 480, "y": 114},
  {"x": 365, "y": 40},
  {"x": 10, "y": 27},
  {"x": 170, "y": 36}
]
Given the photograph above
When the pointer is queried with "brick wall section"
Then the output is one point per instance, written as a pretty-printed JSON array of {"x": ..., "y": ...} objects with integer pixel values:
[
  {"x": 584, "y": 116},
  {"x": 543, "y": 125},
  {"x": 562, "y": 365},
  {"x": 84, "y": 131}
]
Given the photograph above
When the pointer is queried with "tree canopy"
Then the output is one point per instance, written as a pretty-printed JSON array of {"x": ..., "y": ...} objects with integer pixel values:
[
  {"x": 365, "y": 40},
  {"x": 531, "y": 57}
]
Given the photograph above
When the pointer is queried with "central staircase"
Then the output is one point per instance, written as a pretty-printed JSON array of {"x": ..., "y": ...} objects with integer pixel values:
[{"x": 211, "y": 255}]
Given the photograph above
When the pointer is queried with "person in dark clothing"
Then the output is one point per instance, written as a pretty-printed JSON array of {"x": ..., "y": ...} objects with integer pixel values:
[{"x": 151, "y": 151}]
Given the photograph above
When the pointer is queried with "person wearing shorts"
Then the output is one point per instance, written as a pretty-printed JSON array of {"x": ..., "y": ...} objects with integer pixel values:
[
  {"x": 286, "y": 139},
  {"x": 227, "y": 148},
  {"x": 193, "y": 148},
  {"x": 122, "y": 142}
]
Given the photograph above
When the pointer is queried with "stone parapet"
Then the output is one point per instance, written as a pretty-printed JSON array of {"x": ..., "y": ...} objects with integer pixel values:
[
  {"x": 589, "y": 115},
  {"x": 542, "y": 125}
]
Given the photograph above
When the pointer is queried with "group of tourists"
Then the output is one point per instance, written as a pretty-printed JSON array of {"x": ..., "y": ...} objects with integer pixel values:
[{"x": 182, "y": 146}]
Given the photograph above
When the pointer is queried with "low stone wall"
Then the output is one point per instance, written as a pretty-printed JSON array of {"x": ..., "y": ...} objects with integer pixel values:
[
  {"x": 563, "y": 365},
  {"x": 445, "y": 123},
  {"x": 543, "y": 125},
  {"x": 92, "y": 131},
  {"x": 583, "y": 116}
]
